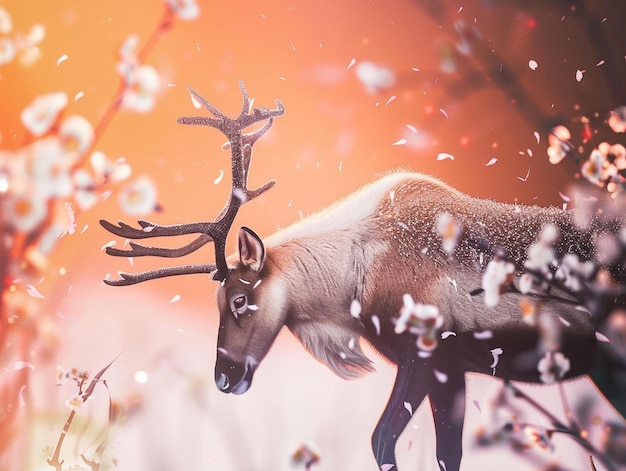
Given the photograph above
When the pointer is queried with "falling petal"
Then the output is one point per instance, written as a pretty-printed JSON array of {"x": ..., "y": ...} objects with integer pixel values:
[
  {"x": 219, "y": 178},
  {"x": 447, "y": 333},
  {"x": 355, "y": 309},
  {"x": 524, "y": 179},
  {"x": 452, "y": 282},
  {"x": 32, "y": 291},
  {"x": 387, "y": 467},
  {"x": 22, "y": 402},
  {"x": 477, "y": 405},
  {"x": 194, "y": 101},
  {"x": 351, "y": 343},
  {"x": 391, "y": 98},
  {"x": 602, "y": 338},
  {"x": 443, "y": 465},
  {"x": 105, "y": 195},
  {"x": 491, "y": 162},
  {"x": 175, "y": 298},
  {"x": 110, "y": 243},
  {"x": 258, "y": 282},
  {"x": 85, "y": 227},
  {"x": 579, "y": 75},
  {"x": 20, "y": 365},
  {"x": 441, "y": 377},
  {"x": 565, "y": 198},
  {"x": 148, "y": 229},
  {"x": 409, "y": 407},
  {"x": 61, "y": 59},
  {"x": 583, "y": 309},
  {"x": 483, "y": 335},
  {"x": 399, "y": 142},
  {"x": 495, "y": 353},
  {"x": 415, "y": 69},
  {"x": 444, "y": 156},
  {"x": 532, "y": 64},
  {"x": 537, "y": 136},
  {"x": 376, "y": 322},
  {"x": 600, "y": 63},
  {"x": 443, "y": 112},
  {"x": 78, "y": 96},
  {"x": 565, "y": 322},
  {"x": 352, "y": 62},
  {"x": 412, "y": 128}
]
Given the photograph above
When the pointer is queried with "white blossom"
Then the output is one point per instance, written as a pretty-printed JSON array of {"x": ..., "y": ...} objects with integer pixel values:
[
  {"x": 449, "y": 231},
  {"x": 423, "y": 320},
  {"x": 25, "y": 211},
  {"x": 40, "y": 115},
  {"x": 184, "y": 9},
  {"x": 6, "y": 24},
  {"x": 139, "y": 197},
  {"x": 573, "y": 272},
  {"x": 142, "y": 84},
  {"x": 107, "y": 170},
  {"x": 76, "y": 134},
  {"x": 553, "y": 367},
  {"x": 497, "y": 275},
  {"x": 375, "y": 78},
  {"x": 7, "y": 50},
  {"x": 75, "y": 401},
  {"x": 51, "y": 167}
]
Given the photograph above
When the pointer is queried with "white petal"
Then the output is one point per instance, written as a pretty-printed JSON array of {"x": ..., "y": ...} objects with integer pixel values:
[
  {"x": 376, "y": 322},
  {"x": 355, "y": 309}
]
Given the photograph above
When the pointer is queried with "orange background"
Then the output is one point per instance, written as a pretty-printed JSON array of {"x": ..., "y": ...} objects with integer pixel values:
[{"x": 334, "y": 137}]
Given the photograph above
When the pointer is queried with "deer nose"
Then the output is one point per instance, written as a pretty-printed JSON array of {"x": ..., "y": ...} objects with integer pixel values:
[{"x": 228, "y": 374}]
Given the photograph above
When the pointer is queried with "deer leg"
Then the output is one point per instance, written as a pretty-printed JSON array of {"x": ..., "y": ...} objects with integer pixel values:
[
  {"x": 447, "y": 401},
  {"x": 410, "y": 387}
]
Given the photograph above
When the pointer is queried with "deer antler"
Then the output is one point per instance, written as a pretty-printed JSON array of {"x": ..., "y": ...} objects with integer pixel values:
[{"x": 241, "y": 155}]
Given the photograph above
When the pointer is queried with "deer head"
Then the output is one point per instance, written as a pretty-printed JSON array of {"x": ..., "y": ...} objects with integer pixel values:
[{"x": 231, "y": 374}]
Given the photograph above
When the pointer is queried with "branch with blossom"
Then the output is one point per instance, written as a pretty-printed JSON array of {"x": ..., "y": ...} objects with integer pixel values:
[
  {"x": 20, "y": 47},
  {"x": 85, "y": 388},
  {"x": 54, "y": 175},
  {"x": 605, "y": 166}
]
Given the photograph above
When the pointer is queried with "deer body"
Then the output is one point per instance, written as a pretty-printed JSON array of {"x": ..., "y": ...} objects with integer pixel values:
[
  {"x": 341, "y": 276},
  {"x": 373, "y": 248}
]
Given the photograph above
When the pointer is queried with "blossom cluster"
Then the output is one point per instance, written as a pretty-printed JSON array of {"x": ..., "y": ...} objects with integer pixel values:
[
  {"x": 24, "y": 48},
  {"x": 605, "y": 166},
  {"x": 80, "y": 377},
  {"x": 305, "y": 455},
  {"x": 42, "y": 181},
  {"x": 54, "y": 173},
  {"x": 422, "y": 320}
]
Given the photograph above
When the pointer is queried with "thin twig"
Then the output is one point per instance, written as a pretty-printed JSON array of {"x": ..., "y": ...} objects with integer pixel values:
[
  {"x": 54, "y": 459},
  {"x": 560, "y": 427}
]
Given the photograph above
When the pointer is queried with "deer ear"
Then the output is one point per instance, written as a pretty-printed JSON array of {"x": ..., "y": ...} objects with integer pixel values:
[{"x": 251, "y": 249}]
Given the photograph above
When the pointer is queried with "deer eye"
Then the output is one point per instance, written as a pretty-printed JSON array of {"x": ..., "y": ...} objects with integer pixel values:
[{"x": 238, "y": 304}]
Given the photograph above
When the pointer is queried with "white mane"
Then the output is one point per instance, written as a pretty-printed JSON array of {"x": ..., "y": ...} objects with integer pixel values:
[{"x": 346, "y": 213}]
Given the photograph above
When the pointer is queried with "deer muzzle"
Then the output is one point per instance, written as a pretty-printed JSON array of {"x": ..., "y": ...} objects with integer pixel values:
[{"x": 232, "y": 376}]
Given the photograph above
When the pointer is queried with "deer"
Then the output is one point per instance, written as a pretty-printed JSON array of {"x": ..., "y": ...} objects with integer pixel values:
[{"x": 343, "y": 275}]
